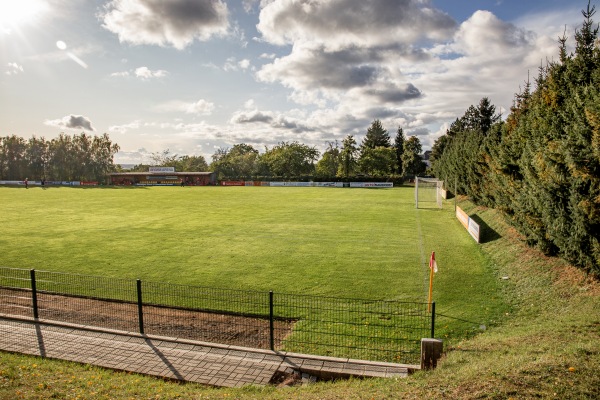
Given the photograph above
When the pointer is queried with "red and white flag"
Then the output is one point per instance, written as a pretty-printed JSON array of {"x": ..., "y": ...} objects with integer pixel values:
[{"x": 432, "y": 263}]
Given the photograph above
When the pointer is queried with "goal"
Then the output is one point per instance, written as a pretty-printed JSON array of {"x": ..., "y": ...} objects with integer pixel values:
[{"x": 428, "y": 193}]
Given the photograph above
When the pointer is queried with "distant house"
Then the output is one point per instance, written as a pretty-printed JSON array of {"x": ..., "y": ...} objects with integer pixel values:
[
  {"x": 162, "y": 176},
  {"x": 425, "y": 157}
]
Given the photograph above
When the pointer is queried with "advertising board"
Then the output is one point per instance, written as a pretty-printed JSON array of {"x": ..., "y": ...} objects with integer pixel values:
[{"x": 471, "y": 226}]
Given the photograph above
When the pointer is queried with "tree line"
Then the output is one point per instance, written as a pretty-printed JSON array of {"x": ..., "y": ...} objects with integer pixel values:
[
  {"x": 86, "y": 158},
  {"x": 540, "y": 167},
  {"x": 376, "y": 157},
  {"x": 65, "y": 158}
]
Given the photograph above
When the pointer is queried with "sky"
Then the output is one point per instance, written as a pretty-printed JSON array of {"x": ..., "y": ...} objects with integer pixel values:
[{"x": 194, "y": 76}]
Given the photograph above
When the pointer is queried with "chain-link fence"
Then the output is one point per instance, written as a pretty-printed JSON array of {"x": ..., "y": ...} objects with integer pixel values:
[{"x": 340, "y": 327}]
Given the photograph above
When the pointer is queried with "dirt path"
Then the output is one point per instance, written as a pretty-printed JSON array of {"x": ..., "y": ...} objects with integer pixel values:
[{"x": 187, "y": 324}]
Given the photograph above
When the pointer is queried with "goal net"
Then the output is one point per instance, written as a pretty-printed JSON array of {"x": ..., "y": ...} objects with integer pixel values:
[{"x": 428, "y": 193}]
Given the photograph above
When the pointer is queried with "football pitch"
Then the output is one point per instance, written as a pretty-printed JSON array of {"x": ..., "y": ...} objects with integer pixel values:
[{"x": 356, "y": 243}]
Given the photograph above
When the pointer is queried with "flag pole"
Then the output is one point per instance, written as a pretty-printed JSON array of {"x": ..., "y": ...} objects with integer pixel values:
[{"x": 431, "y": 261}]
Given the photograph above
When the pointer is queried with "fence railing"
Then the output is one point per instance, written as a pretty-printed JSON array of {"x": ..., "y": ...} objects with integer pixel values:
[{"x": 341, "y": 327}]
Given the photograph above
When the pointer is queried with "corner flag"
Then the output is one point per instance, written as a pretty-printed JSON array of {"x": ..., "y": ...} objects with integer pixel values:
[
  {"x": 432, "y": 269},
  {"x": 432, "y": 263}
]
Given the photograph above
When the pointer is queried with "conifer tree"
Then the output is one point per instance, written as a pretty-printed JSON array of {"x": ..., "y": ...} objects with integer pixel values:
[
  {"x": 376, "y": 136},
  {"x": 348, "y": 157},
  {"x": 399, "y": 149}
]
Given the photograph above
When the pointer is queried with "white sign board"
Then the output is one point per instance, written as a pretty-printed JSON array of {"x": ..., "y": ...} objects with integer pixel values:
[
  {"x": 474, "y": 230},
  {"x": 371, "y": 184},
  {"x": 471, "y": 226},
  {"x": 161, "y": 169}
]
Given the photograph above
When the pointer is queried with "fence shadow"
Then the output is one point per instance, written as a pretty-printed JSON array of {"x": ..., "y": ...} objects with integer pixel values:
[
  {"x": 40, "y": 340},
  {"x": 486, "y": 234},
  {"x": 165, "y": 360}
]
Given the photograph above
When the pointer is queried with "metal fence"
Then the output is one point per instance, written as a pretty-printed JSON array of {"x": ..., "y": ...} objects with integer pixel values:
[{"x": 340, "y": 327}]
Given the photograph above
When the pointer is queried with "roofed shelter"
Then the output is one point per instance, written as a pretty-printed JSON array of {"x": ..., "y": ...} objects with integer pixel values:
[{"x": 162, "y": 176}]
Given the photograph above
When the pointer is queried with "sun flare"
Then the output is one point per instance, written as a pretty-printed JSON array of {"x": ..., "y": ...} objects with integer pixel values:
[{"x": 14, "y": 13}]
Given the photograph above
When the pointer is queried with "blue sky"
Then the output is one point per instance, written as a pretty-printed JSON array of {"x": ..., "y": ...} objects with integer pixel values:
[{"x": 193, "y": 76}]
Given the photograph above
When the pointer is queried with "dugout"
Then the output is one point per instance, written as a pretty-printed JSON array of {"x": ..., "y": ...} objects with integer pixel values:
[{"x": 162, "y": 176}]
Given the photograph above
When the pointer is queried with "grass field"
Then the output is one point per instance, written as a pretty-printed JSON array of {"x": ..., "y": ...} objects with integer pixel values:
[
  {"x": 359, "y": 243},
  {"x": 545, "y": 345}
]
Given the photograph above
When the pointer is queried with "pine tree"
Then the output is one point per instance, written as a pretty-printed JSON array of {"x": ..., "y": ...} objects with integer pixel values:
[
  {"x": 542, "y": 167},
  {"x": 376, "y": 136},
  {"x": 399, "y": 149},
  {"x": 348, "y": 157}
]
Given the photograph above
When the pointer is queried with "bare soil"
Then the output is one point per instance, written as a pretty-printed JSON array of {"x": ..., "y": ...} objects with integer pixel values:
[{"x": 180, "y": 323}]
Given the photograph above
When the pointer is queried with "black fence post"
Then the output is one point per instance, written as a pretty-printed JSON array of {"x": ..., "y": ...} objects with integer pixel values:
[
  {"x": 34, "y": 294},
  {"x": 271, "y": 322},
  {"x": 433, "y": 320},
  {"x": 140, "y": 307}
]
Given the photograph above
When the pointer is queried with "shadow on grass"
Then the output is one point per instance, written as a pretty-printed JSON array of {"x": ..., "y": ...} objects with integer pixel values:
[{"x": 486, "y": 233}]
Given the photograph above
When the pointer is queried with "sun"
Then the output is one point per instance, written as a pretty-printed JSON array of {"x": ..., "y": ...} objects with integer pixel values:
[{"x": 15, "y": 13}]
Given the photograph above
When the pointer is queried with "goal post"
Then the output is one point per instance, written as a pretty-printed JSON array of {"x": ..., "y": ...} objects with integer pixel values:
[{"x": 428, "y": 192}]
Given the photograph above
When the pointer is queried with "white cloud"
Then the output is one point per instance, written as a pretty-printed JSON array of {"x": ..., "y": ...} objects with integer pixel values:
[
  {"x": 200, "y": 107},
  {"x": 549, "y": 26},
  {"x": 143, "y": 73},
  {"x": 347, "y": 62},
  {"x": 14, "y": 69},
  {"x": 348, "y": 52},
  {"x": 251, "y": 116},
  {"x": 210, "y": 65},
  {"x": 244, "y": 64},
  {"x": 485, "y": 54},
  {"x": 553, "y": 23},
  {"x": 286, "y": 122},
  {"x": 122, "y": 74},
  {"x": 174, "y": 23},
  {"x": 308, "y": 67},
  {"x": 337, "y": 24},
  {"x": 419, "y": 80},
  {"x": 232, "y": 64},
  {"x": 146, "y": 73},
  {"x": 72, "y": 122},
  {"x": 485, "y": 36},
  {"x": 126, "y": 127}
]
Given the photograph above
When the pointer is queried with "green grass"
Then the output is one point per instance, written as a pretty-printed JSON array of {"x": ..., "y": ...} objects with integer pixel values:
[
  {"x": 314, "y": 241},
  {"x": 310, "y": 241},
  {"x": 546, "y": 346},
  {"x": 358, "y": 243}
]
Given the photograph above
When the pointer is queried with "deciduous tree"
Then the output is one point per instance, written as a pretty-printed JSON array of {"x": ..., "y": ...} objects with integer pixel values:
[
  {"x": 329, "y": 163},
  {"x": 412, "y": 163}
]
